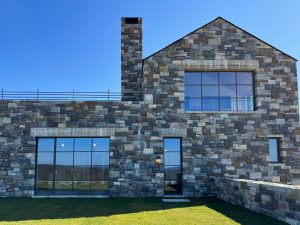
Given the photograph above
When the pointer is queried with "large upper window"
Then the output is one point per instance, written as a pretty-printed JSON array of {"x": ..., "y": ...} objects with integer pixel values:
[
  {"x": 218, "y": 91},
  {"x": 72, "y": 166}
]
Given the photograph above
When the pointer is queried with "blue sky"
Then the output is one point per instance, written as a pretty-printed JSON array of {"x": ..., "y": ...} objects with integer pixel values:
[{"x": 61, "y": 45}]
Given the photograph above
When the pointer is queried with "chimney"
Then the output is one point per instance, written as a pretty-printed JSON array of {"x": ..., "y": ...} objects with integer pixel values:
[{"x": 131, "y": 59}]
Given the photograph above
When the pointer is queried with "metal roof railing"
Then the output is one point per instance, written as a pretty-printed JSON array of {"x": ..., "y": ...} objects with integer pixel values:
[{"x": 60, "y": 96}]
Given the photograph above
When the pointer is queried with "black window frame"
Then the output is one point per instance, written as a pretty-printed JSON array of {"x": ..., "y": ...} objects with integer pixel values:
[
  {"x": 181, "y": 170},
  {"x": 219, "y": 97},
  {"x": 72, "y": 192},
  {"x": 278, "y": 145}
]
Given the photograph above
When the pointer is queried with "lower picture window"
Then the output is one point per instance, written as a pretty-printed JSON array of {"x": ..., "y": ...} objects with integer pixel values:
[{"x": 76, "y": 166}]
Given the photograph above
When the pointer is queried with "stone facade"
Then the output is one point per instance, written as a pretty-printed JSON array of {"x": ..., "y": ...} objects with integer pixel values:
[{"x": 214, "y": 144}]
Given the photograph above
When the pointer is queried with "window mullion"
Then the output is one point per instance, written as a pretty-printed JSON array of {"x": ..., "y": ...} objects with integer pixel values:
[
  {"x": 236, "y": 90},
  {"x": 201, "y": 108},
  {"x": 91, "y": 167},
  {"x": 73, "y": 168},
  {"x": 54, "y": 168},
  {"x": 219, "y": 91}
]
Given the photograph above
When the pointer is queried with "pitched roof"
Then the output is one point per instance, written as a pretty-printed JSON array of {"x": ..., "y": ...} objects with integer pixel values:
[{"x": 231, "y": 25}]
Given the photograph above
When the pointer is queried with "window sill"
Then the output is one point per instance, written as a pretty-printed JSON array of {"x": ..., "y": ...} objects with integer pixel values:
[
  {"x": 276, "y": 164},
  {"x": 222, "y": 112},
  {"x": 70, "y": 196}
]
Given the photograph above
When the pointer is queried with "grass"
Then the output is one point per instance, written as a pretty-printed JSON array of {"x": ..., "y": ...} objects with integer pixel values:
[{"x": 208, "y": 211}]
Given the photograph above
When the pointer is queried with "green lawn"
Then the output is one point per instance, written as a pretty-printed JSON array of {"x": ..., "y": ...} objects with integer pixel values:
[{"x": 208, "y": 211}]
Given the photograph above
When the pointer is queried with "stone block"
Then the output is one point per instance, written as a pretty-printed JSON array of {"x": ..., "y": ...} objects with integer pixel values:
[{"x": 147, "y": 151}]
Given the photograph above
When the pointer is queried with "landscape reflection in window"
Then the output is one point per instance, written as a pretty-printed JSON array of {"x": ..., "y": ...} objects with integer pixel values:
[
  {"x": 218, "y": 91},
  {"x": 72, "y": 166}
]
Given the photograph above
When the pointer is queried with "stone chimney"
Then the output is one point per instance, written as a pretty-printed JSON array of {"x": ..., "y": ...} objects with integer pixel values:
[{"x": 131, "y": 59}]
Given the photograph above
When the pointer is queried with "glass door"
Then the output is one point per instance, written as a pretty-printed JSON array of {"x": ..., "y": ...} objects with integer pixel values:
[{"x": 172, "y": 166}]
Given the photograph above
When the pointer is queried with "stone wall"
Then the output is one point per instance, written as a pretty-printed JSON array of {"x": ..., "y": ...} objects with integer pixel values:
[
  {"x": 279, "y": 201},
  {"x": 22, "y": 122},
  {"x": 136, "y": 138}
]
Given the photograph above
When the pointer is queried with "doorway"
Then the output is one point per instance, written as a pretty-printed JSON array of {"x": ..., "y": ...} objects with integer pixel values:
[{"x": 172, "y": 166}]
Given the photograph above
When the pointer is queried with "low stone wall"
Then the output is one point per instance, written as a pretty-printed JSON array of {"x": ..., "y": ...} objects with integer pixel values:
[{"x": 279, "y": 201}]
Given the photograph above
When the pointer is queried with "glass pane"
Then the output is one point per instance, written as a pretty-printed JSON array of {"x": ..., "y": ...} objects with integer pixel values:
[
  {"x": 192, "y": 104},
  {"x": 210, "y": 104},
  {"x": 227, "y": 78},
  {"x": 172, "y": 144},
  {"x": 172, "y": 187},
  {"x": 172, "y": 172},
  {"x": 101, "y": 144},
  {"x": 99, "y": 186},
  {"x": 228, "y": 91},
  {"x": 244, "y": 77},
  {"x": 173, "y": 179},
  {"x": 100, "y": 173},
  {"x": 228, "y": 104},
  {"x": 245, "y": 105},
  {"x": 44, "y": 186},
  {"x": 192, "y": 91},
  {"x": 46, "y": 144},
  {"x": 210, "y": 78},
  {"x": 210, "y": 91},
  {"x": 273, "y": 150},
  {"x": 82, "y": 166},
  {"x": 64, "y": 144},
  {"x": 82, "y": 186},
  {"x": 192, "y": 78},
  {"x": 171, "y": 158},
  {"x": 100, "y": 159},
  {"x": 83, "y": 144},
  {"x": 244, "y": 91},
  {"x": 63, "y": 185},
  {"x": 45, "y": 166},
  {"x": 64, "y": 166}
]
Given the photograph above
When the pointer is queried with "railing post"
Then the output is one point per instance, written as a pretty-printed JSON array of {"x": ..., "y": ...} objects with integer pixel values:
[
  {"x": 108, "y": 94},
  {"x": 37, "y": 94},
  {"x": 2, "y": 93}
]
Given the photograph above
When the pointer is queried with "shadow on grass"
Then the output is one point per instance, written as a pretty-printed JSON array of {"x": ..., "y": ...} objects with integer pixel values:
[{"x": 20, "y": 209}]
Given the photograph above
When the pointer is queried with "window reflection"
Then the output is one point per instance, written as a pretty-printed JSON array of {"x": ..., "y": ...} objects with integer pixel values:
[
  {"x": 227, "y": 77},
  {"x": 192, "y": 78},
  {"x": 83, "y": 144},
  {"x": 44, "y": 169},
  {"x": 64, "y": 144},
  {"x": 81, "y": 165},
  {"x": 245, "y": 78},
  {"x": 64, "y": 166},
  {"x": 101, "y": 144},
  {"x": 172, "y": 165},
  {"x": 210, "y": 78},
  {"x": 219, "y": 91},
  {"x": 273, "y": 150},
  {"x": 46, "y": 145}
]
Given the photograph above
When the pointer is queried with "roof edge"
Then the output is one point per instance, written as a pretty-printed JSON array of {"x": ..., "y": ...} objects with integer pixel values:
[{"x": 219, "y": 17}]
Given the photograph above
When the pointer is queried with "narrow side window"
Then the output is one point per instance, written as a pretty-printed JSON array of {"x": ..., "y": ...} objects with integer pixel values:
[{"x": 273, "y": 149}]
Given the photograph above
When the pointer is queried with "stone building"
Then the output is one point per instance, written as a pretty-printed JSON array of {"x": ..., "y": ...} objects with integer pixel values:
[{"x": 215, "y": 113}]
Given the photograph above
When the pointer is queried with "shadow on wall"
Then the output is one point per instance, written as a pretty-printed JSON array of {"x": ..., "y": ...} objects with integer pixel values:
[{"x": 22, "y": 209}]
